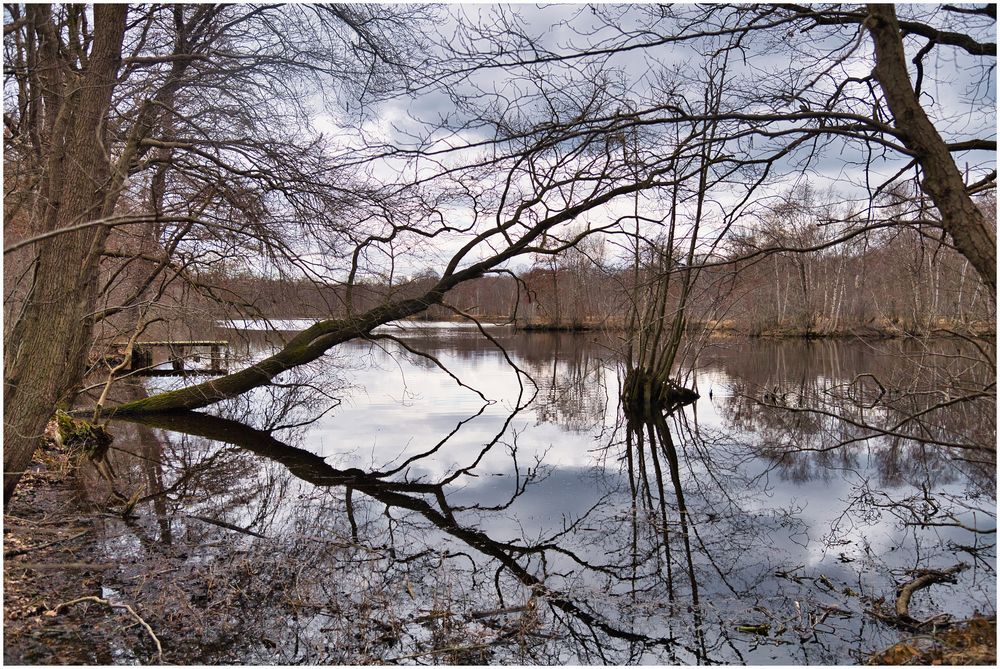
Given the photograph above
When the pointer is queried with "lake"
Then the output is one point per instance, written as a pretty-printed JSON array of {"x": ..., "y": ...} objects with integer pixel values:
[{"x": 486, "y": 502}]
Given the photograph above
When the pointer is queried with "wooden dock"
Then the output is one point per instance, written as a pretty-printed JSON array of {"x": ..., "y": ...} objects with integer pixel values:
[{"x": 180, "y": 353}]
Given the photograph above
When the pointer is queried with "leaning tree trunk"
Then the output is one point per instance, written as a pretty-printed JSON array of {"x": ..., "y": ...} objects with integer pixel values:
[
  {"x": 46, "y": 349},
  {"x": 314, "y": 341},
  {"x": 308, "y": 345},
  {"x": 961, "y": 218}
]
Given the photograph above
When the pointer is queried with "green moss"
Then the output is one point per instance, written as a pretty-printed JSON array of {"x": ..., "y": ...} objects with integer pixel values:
[{"x": 82, "y": 437}]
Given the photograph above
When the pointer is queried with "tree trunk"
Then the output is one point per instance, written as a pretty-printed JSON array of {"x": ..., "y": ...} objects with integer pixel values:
[
  {"x": 308, "y": 345},
  {"x": 46, "y": 349},
  {"x": 961, "y": 218}
]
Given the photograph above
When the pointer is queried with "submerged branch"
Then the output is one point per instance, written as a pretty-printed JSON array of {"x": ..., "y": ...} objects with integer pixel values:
[
  {"x": 114, "y": 605},
  {"x": 926, "y": 578}
]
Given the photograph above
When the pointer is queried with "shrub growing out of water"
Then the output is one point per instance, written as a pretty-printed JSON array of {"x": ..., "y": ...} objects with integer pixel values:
[{"x": 643, "y": 392}]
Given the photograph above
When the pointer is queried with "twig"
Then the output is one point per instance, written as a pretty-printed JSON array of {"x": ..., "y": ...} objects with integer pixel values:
[
  {"x": 450, "y": 649},
  {"x": 39, "y": 566},
  {"x": 92, "y": 598},
  {"x": 228, "y": 526},
  {"x": 21, "y": 551},
  {"x": 475, "y": 615},
  {"x": 109, "y": 222},
  {"x": 140, "y": 327}
]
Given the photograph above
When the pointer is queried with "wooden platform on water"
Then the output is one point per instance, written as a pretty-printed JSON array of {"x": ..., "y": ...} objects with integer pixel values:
[{"x": 180, "y": 354}]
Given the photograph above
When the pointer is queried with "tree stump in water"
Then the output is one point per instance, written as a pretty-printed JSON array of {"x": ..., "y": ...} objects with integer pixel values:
[
  {"x": 644, "y": 393},
  {"x": 82, "y": 437}
]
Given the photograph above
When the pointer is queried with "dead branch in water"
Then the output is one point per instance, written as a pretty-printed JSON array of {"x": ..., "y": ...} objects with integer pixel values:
[
  {"x": 923, "y": 578},
  {"x": 98, "y": 600},
  {"x": 31, "y": 549},
  {"x": 926, "y": 578}
]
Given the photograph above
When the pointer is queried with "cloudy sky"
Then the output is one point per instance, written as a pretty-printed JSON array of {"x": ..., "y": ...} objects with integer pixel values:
[{"x": 519, "y": 67}]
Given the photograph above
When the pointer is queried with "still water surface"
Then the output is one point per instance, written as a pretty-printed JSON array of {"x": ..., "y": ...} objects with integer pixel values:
[{"x": 503, "y": 511}]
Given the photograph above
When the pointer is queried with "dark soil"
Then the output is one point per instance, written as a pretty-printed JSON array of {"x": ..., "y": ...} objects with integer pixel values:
[{"x": 61, "y": 545}]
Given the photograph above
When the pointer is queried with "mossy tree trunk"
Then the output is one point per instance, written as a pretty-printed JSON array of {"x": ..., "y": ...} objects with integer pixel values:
[{"x": 305, "y": 347}]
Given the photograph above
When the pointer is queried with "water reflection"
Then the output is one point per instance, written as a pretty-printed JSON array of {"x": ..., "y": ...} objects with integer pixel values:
[
  {"x": 909, "y": 417},
  {"x": 541, "y": 527},
  {"x": 513, "y": 557}
]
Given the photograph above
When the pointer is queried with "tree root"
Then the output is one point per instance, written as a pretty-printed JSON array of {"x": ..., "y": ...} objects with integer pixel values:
[{"x": 643, "y": 394}]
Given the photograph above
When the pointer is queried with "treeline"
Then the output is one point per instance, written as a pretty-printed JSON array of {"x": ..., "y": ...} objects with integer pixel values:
[
  {"x": 905, "y": 282},
  {"x": 900, "y": 283}
]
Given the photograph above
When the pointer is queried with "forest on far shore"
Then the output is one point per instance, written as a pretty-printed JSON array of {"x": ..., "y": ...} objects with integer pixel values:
[{"x": 896, "y": 282}]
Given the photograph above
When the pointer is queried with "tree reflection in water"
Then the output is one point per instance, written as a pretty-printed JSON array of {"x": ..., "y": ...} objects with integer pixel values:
[
  {"x": 689, "y": 541},
  {"x": 929, "y": 424},
  {"x": 571, "y": 620}
]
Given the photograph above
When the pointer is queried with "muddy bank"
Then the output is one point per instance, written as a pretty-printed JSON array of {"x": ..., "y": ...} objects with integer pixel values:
[
  {"x": 209, "y": 592},
  {"x": 970, "y": 643},
  {"x": 129, "y": 594},
  {"x": 50, "y": 557}
]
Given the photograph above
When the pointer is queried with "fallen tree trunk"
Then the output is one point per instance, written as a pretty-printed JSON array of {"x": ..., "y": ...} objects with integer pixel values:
[{"x": 308, "y": 345}]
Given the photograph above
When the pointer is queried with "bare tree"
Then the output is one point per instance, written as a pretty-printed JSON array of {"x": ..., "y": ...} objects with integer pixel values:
[
  {"x": 139, "y": 117},
  {"x": 66, "y": 90},
  {"x": 960, "y": 217},
  {"x": 529, "y": 168}
]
